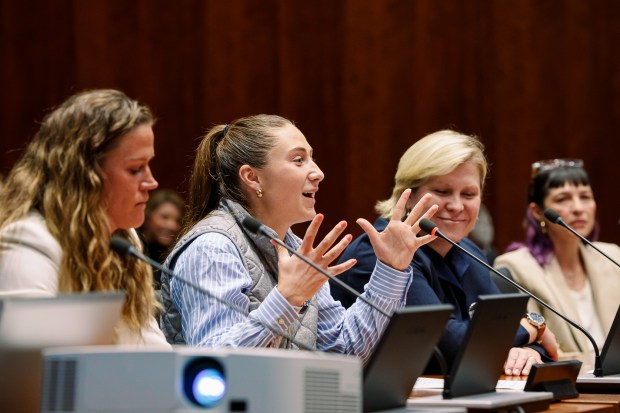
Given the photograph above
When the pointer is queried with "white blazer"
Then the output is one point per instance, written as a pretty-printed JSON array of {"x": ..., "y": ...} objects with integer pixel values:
[{"x": 29, "y": 263}]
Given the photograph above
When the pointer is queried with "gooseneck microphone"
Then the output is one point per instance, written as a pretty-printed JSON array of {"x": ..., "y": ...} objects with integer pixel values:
[
  {"x": 430, "y": 227},
  {"x": 256, "y": 227},
  {"x": 123, "y": 248},
  {"x": 555, "y": 218}
]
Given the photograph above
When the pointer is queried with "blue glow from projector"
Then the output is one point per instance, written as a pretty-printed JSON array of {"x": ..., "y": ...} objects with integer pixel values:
[{"x": 209, "y": 387}]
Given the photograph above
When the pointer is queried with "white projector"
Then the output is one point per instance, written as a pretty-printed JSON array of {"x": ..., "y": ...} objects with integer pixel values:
[{"x": 120, "y": 379}]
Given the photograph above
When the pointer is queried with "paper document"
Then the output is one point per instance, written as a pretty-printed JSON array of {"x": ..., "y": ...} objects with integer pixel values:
[{"x": 426, "y": 383}]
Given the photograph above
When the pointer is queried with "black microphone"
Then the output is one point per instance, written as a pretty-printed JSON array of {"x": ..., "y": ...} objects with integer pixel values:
[
  {"x": 555, "y": 218},
  {"x": 256, "y": 227},
  {"x": 123, "y": 247},
  {"x": 430, "y": 227}
]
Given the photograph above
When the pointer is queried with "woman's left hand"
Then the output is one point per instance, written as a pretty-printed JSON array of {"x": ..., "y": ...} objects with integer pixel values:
[
  {"x": 520, "y": 361},
  {"x": 397, "y": 243}
]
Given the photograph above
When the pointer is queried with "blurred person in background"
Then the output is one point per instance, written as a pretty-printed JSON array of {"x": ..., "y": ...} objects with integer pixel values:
[{"x": 162, "y": 222}]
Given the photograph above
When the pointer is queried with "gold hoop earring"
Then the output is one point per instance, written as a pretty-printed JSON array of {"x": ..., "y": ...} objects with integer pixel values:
[
  {"x": 259, "y": 193},
  {"x": 543, "y": 227}
]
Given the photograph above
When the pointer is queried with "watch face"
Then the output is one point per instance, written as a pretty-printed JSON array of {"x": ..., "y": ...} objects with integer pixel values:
[{"x": 537, "y": 318}]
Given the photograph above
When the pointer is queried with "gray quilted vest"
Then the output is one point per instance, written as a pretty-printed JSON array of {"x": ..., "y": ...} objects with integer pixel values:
[{"x": 259, "y": 258}]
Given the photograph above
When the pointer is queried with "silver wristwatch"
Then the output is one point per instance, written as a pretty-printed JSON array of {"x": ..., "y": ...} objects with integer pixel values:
[{"x": 537, "y": 321}]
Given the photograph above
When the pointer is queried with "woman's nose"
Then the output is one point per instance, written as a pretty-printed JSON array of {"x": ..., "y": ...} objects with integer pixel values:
[
  {"x": 454, "y": 204},
  {"x": 149, "y": 183},
  {"x": 317, "y": 174},
  {"x": 578, "y": 205}
]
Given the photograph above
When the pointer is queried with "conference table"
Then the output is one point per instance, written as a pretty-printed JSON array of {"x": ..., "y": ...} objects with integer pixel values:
[{"x": 585, "y": 402}]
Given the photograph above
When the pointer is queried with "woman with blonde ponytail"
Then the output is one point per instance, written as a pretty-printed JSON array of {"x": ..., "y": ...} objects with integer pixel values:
[{"x": 84, "y": 177}]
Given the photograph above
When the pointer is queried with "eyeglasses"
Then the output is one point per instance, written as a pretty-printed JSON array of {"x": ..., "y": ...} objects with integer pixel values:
[{"x": 550, "y": 164}]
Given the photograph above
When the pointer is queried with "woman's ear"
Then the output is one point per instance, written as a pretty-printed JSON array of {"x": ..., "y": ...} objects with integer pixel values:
[
  {"x": 536, "y": 212},
  {"x": 249, "y": 178}
]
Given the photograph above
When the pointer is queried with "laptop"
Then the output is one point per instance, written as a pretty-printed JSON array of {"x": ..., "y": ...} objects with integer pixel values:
[
  {"x": 479, "y": 364},
  {"x": 71, "y": 319},
  {"x": 610, "y": 362},
  {"x": 401, "y": 356},
  {"x": 28, "y": 325}
]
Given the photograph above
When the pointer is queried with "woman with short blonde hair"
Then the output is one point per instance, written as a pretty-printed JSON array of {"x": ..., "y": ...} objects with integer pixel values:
[
  {"x": 434, "y": 155},
  {"x": 452, "y": 168}
]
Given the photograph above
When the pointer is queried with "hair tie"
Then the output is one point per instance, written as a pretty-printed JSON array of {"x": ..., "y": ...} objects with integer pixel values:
[{"x": 217, "y": 138}]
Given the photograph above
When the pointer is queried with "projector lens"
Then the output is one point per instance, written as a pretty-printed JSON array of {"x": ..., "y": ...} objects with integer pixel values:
[
  {"x": 209, "y": 387},
  {"x": 204, "y": 382}
]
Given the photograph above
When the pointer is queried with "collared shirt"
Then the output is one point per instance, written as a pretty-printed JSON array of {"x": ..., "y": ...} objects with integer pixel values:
[{"x": 212, "y": 261}]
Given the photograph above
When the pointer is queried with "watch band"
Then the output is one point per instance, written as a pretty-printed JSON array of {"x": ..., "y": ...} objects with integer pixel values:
[{"x": 539, "y": 322}]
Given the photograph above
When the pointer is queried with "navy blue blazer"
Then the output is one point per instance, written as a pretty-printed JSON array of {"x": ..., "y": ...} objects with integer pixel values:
[{"x": 454, "y": 279}]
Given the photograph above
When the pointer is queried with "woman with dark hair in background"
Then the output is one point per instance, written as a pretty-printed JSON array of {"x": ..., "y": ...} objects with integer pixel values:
[
  {"x": 84, "y": 177},
  {"x": 557, "y": 267}
]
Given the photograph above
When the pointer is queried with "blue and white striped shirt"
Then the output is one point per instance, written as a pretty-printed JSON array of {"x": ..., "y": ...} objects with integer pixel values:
[{"x": 213, "y": 262}]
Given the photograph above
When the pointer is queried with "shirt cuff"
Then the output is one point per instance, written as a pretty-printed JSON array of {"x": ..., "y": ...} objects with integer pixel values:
[
  {"x": 388, "y": 282},
  {"x": 276, "y": 312}
]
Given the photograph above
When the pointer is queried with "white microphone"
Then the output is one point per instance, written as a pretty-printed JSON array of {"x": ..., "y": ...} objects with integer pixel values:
[
  {"x": 555, "y": 218},
  {"x": 123, "y": 247},
  {"x": 430, "y": 227}
]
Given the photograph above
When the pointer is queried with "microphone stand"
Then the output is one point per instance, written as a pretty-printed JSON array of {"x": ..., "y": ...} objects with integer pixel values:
[
  {"x": 256, "y": 227},
  {"x": 554, "y": 217},
  {"x": 430, "y": 227},
  {"x": 124, "y": 247}
]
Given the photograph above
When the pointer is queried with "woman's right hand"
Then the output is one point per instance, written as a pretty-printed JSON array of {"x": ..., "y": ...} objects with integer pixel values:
[
  {"x": 397, "y": 243},
  {"x": 298, "y": 281}
]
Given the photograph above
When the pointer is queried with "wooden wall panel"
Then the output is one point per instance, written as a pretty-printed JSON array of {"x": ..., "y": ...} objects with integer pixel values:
[{"x": 363, "y": 80}]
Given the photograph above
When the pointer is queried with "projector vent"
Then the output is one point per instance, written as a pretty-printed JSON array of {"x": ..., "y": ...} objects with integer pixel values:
[
  {"x": 58, "y": 394},
  {"x": 322, "y": 394}
]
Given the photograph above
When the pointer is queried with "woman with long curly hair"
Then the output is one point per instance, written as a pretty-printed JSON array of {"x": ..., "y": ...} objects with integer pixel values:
[{"x": 84, "y": 177}]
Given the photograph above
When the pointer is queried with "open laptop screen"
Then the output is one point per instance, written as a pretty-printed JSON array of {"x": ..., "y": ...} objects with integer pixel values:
[
  {"x": 28, "y": 325},
  {"x": 64, "y": 320}
]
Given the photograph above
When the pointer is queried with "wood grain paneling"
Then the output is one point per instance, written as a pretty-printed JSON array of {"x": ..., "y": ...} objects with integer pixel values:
[{"x": 363, "y": 79}]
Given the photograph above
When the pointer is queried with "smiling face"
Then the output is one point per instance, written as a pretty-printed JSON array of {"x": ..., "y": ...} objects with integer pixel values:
[
  {"x": 163, "y": 224},
  {"x": 128, "y": 178},
  {"x": 458, "y": 195},
  {"x": 576, "y": 206},
  {"x": 289, "y": 182}
]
